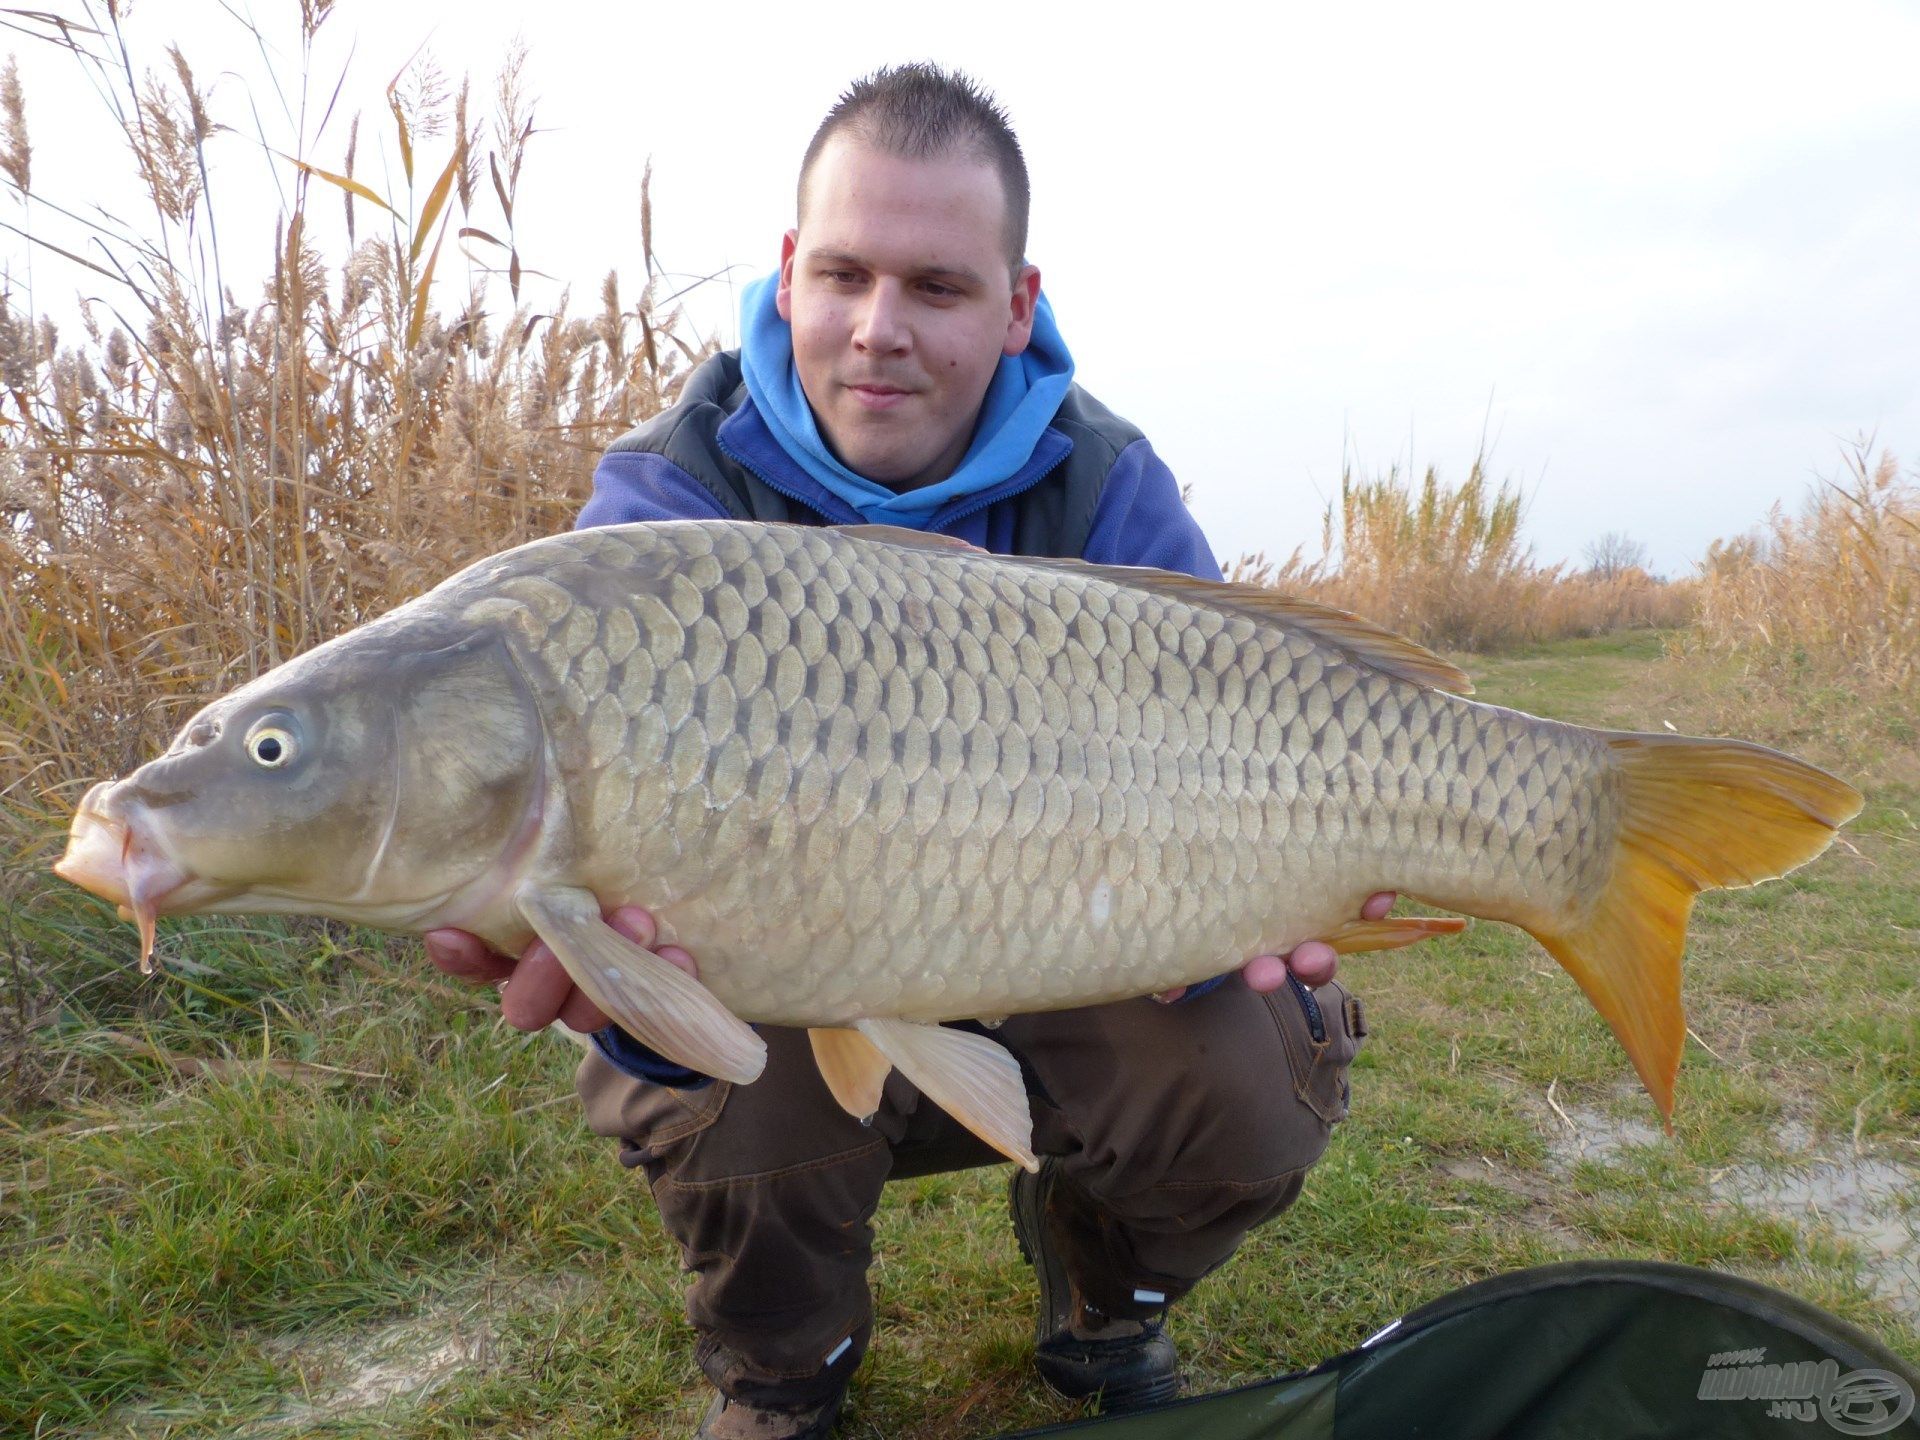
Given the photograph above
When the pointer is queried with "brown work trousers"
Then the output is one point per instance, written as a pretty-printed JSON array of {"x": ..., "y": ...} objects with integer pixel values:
[{"x": 1177, "y": 1128}]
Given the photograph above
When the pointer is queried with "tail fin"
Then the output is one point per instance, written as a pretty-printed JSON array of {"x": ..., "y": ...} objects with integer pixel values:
[{"x": 1698, "y": 815}]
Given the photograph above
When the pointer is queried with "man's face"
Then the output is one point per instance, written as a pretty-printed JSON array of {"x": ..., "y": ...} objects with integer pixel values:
[{"x": 897, "y": 288}]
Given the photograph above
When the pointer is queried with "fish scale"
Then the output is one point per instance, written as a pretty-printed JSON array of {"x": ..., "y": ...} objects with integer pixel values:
[
  {"x": 1216, "y": 831},
  {"x": 874, "y": 779}
]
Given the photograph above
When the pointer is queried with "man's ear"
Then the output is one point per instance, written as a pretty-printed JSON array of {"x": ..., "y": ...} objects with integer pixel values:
[
  {"x": 783, "y": 296},
  {"x": 1026, "y": 295}
]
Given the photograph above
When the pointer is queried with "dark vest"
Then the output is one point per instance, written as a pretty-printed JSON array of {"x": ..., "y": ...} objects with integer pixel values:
[{"x": 1052, "y": 517}]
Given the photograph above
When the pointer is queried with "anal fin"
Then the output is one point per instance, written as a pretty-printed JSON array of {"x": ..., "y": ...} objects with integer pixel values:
[
  {"x": 1358, "y": 936},
  {"x": 974, "y": 1080},
  {"x": 855, "y": 1071}
]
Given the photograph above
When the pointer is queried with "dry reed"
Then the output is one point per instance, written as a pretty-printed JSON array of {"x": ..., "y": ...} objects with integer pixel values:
[
  {"x": 1832, "y": 592},
  {"x": 196, "y": 491},
  {"x": 1447, "y": 566}
]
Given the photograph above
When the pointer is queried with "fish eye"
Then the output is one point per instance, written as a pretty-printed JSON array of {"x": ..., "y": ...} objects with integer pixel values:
[{"x": 271, "y": 746}]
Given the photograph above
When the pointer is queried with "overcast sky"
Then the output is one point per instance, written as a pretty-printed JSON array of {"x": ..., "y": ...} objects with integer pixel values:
[{"x": 1666, "y": 256}]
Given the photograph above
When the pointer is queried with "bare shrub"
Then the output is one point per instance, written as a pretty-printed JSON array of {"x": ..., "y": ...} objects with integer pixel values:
[{"x": 1614, "y": 554}]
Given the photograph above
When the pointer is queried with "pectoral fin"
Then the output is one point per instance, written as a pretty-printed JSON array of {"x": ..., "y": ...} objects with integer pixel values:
[
  {"x": 1357, "y": 936},
  {"x": 974, "y": 1080},
  {"x": 853, "y": 1069},
  {"x": 657, "y": 1003}
]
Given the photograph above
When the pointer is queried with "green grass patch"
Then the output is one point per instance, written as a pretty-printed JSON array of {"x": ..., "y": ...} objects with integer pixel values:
[{"x": 298, "y": 1184}]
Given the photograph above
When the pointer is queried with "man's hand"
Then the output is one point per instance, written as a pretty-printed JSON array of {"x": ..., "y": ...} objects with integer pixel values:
[
  {"x": 536, "y": 990},
  {"x": 1312, "y": 961}
]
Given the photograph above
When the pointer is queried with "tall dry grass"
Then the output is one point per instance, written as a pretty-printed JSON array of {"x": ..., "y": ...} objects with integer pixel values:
[
  {"x": 1832, "y": 591},
  {"x": 1447, "y": 565},
  {"x": 194, "y": 488}
]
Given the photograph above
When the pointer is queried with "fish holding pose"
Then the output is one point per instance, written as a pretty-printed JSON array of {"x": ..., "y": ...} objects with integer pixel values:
[{"x": 876, "y": 780}]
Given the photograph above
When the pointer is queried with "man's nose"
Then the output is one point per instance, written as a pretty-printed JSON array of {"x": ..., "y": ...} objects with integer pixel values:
[{"x": 881, "y": 325}]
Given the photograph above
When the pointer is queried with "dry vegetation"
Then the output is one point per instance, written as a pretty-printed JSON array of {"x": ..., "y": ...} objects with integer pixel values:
[
  {"x": 1831, "y": 592},
  {"x": 1447, "y": 566},
  {"x": 195, "y": 488}
]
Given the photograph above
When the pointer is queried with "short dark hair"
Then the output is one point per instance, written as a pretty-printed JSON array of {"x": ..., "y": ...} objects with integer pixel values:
[{"x": 921, "y": 112}]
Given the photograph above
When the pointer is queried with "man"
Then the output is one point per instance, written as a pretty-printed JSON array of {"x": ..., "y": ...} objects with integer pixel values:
[{"x": 904, "y": 368}]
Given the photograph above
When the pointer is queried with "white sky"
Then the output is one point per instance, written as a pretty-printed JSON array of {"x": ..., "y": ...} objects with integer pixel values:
[{"x": 1666, "y": 255}]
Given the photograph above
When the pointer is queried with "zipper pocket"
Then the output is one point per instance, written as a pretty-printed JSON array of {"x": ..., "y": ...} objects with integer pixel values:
[{"x": 1316, "y": 1022}]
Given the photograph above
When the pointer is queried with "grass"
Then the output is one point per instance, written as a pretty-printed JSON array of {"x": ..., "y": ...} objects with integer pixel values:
[
  {"x": 267, "y": 1193},
  {"x": 256, "y": 1196}
]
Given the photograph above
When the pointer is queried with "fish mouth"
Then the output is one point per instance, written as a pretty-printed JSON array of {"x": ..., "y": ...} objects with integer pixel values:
[{"x": 116, "y": 859}]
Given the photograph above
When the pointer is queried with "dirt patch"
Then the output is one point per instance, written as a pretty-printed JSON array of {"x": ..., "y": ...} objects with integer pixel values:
[
  {"x": 402, "y": 1362},
  {"x": 1481, "y": 1170},
  {"x": 397, "y": 1363},
  {"x": 1537, "y": 1192},
  {"x": 1865, "y": 1201},
  {"x": 1584, "y": 1133},
  {"x": 1870, "y": 1201},
  {"x": 346, "y": 1375}
]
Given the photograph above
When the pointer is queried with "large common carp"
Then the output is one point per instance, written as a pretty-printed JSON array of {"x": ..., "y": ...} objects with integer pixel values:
[{"x": 875, "y": 779}]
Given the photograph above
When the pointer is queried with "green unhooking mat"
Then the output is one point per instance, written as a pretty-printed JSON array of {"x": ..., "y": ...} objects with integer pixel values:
[{"x": 1627, "y": 1350}]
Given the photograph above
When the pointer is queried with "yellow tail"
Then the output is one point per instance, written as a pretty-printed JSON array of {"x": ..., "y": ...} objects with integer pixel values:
[{"x": 1699, "y": 815}]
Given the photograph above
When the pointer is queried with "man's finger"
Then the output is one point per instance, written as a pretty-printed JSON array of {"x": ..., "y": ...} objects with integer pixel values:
[
  {"x": 1313, "y": 962},
  {"x": 636, "y": 923},
  {"x": 1264, "y": 973},
  {"x": 674, "y": 955},
  {"x": 466, "y": 956},
  {"x": 581, "y": 1015},
  {"x": 537, "y": 990},
  {"x": 1378, "y": 904}
]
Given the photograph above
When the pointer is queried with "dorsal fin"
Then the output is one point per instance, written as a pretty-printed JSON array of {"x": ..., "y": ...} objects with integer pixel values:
[
  {"x": 1370, "y": 644},
  {"x": 912, "y": 539}
]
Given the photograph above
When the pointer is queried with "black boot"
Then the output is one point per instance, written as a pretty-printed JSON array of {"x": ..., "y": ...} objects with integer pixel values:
[{"x": 1126, "y": 1363}]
